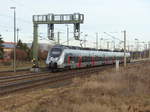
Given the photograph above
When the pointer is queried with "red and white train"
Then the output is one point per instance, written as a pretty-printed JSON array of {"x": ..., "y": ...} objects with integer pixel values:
[{"x": 61, "y": 57}]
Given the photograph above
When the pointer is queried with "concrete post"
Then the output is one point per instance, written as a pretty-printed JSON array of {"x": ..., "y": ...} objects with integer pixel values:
[
  {"x": 14, "y": 61},
  {"x": 107, "y": 45},
  {"x": 149, "y": 48},
  {"x": 35, "y": 46},
  {"x": 125, "y": 61},
  {"x": 17, "y": 35},
  {"x": 96, "y": 40},
  {"x": 117, "y": 65}
]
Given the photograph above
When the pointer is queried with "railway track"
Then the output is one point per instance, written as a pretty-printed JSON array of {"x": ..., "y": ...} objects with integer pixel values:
[
  {"x": 8, "y": 79},
  {"x": 18, "y": 70},
  {"x": 16, "y": 84},
  {"x": 19, "y": 82},
  {"x": 21, "y": 70}
]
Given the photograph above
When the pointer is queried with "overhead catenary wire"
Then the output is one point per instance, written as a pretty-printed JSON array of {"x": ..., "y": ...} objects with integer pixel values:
[{"x": 114, "y": 37}]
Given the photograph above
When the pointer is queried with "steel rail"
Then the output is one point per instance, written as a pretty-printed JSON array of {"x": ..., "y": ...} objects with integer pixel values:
[
  {"x": 19, "y": 70},
  {"x": 8, "y": 88},
  {"x": 23, "y": 75},
  {"x": 61, "y": 76}
]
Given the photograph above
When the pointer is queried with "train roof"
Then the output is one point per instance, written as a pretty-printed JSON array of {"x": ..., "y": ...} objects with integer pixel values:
[{"x": 81, "y": 48}]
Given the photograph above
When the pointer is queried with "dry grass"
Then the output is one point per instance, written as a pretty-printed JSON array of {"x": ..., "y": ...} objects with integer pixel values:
[
  {"x": 19, "y": 65},
  {"x": 124, "y": 91}
]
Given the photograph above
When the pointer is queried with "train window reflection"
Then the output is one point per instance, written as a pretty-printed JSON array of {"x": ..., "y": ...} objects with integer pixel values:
[{"x": 56, "y": 52}]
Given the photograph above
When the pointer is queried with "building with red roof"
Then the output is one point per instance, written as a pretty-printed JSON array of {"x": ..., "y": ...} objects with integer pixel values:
[{"x": 8, "y": 48}]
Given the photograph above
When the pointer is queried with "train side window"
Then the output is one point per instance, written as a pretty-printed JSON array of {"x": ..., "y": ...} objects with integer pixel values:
[
  {"x": 96, "y": 58},
  {"x": 76, "y": 59},
  {"x": 89, "y": 59},
  {"x": 101, "y": 58},
  {"x": 66, "y": 58},
  {"x": 110, "y": 58},
  {"x": 84, "y": 59},
  {"x": 71, "y": 58}
]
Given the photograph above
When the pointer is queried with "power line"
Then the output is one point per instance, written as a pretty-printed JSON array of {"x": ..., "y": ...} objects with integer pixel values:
[{"x": 113, "y": 37}]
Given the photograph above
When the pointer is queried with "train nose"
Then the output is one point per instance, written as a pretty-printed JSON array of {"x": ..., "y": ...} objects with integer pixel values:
[
  {"x": 53, "y": 65},
  {"x": 52, "y": 59}
]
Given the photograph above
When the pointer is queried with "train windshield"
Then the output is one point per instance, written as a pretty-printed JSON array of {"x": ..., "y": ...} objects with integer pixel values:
[{"x": 56, "y": 52}]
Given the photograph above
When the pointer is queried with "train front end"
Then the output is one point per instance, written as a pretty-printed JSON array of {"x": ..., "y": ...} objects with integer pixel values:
[{"x": 54, "y": 59}]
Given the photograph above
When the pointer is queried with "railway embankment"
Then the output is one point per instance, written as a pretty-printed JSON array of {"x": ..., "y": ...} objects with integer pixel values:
[{"x": 127, "y": 90}]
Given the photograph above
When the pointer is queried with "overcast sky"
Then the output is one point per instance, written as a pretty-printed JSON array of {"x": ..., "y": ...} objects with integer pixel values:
[{"x": 100, "y": 16}]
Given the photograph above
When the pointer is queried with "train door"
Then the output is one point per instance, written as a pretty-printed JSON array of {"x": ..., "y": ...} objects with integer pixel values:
[
  {"x": 93, "y": 60},
  {"x": 79, "y": 61},
  {"x": 68, "y": 60},
  {"x": 106, "y": 60},
  {"x": 103, "y": 59},
  {"x": 113, "y": 60},
  {"x": 71, "y": 60}
]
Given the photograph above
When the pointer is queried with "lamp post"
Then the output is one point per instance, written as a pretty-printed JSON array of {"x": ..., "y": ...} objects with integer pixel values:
[
  {"x": 17, "y": 35},
  {"x": 149, "y": 49},
  {"x": 125, "y": 60},
  {"x": 137, "y": 44},
  {"x": 14, "y": 64},
  {"x": 67, "y": 34},
  {"x": 85, "y": 40},
  {"x": 106, "y": 42},
  {"x": 96, "y": 40},
  {"x": 100, "y": 43}
]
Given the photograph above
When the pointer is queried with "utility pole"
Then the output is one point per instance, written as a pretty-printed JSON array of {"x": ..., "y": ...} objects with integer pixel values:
[
  {"x": 125, "y": 61},
  {"x": 145, "y": 49},
  {"x": 108, "y": 45},
  {"x": 149, "y": 48},
  {"x": 58, "y": 37},
  {"x": 17, "y": 35},
  {"x": 114, "y": 44},
  {"x": 137, "y": 45},
  {"x": 136, "y": 48},
  {"x": 100, "y": 42},
  {"x": 96, "y": 40},
  {"x": 67, "y": 35},
  {"x": 35, "y": 46},
  {"x": 85, "y": 40},
  {"x": 14, "y": 64},
  {"x": 128, "y": 48}
]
